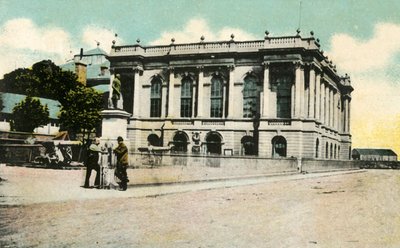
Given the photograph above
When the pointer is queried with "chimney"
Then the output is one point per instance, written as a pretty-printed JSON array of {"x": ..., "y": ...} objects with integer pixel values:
[{"x": 80, "y": 69}]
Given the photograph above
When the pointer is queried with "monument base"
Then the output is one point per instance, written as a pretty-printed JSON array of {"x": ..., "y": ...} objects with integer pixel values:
[{"x": 114, "y": 124}]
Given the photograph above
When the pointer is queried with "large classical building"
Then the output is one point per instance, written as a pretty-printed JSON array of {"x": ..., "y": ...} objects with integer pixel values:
[{"x": 277, "y": 97}]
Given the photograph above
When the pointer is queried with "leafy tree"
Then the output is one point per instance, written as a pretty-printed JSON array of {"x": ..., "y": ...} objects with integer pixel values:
[
  {"x": 80, "y": 112},
  {"x": 29, "y": 114},
  {"x": 44, "y": 79},
  {"x": 80, "y": 105}
]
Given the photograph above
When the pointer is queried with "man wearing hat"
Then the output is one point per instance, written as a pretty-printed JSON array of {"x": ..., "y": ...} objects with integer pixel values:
[
  {"x": 92, "y": 163},
  {"x": 122, "y": 163}
]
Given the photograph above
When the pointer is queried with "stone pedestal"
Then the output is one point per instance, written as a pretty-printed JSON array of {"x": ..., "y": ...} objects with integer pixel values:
[{"x": 114, "y": 124}]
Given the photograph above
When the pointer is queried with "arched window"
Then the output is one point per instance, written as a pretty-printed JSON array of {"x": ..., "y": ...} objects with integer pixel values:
[
  {"x": 186, "y": 97},
  {"x": 248, "y": 145},
  {"x": 278, "y": 147},
  {"x": 331, "y": 151},
  {"x": 216, "y": 97},
  {"x": 251, "y": 96},
  {"x": 214, "y": 142},
  {"x": 155, "y": 98},
  {"x": 316, "y": 148},
  {"x": 180, "y": 142}
]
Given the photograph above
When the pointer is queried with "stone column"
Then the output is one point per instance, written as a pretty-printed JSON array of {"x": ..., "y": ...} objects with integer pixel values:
[
  {"x": 303, "y": 109},
  {"x": 348, "y": 116},
  {"x": 345, "y": 116},
  {"x": 200, "y": 92},
  {"x": 332, "y": 108},
  {"x": 311, "y": 105},
  {"x": 326, "y": 105},
  {"x": 136, "y": 91},
  {"x": 193, "y": 99},
  {"x": 224, "y": 93},
  {"x": 317, "y": 97},
  {"x": 163, "y": 99},
  {"x": 171, "y": 93},
  {"x": 231, "y": 104},
  {"x": 337, "y": 111},
  {"x": 322, "y": 102},
  {"x": 299, "y": 90},
  {"x": 265, "y": 112},
  {"x": 292, "y": 100}
]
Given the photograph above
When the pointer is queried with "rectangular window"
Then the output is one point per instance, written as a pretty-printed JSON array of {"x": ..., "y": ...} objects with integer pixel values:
[
  {"x": 155, "y": 107},
  {"x": 186, "y": 107},
  {"x": 186, "y": 98},
  {"x": 216, "y": 107},
  {"x": 155, "y": 98}
]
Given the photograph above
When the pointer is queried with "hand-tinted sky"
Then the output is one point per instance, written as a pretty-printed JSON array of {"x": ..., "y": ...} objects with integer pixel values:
[{"x": 361, "y": 36}]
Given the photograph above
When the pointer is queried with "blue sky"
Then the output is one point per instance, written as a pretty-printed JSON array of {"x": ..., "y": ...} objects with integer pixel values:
[{"x": 361, "y": 36}]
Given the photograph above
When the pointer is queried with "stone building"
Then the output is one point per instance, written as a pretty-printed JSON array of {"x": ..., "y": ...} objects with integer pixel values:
[
  {"x": 374, "y": 154},
  {"x": 277, "y": 97},
  {"x": 92, "y": 69}
]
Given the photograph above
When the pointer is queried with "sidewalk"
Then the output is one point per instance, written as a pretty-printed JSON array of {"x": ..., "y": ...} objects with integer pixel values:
[{"x": 27, "y": 185}]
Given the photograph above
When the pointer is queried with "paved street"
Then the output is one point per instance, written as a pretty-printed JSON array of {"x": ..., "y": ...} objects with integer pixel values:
[{"x": 341, "y": 209}]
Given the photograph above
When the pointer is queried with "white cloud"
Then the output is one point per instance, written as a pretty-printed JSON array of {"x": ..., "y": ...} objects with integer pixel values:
[
  {"x": 23, "y": 43},
  {"x": 93, "y": 34},
  {"x": 197, "y": 27},
  {"x": 375, "y": 99},
  {"x": 356, "y": 56}
]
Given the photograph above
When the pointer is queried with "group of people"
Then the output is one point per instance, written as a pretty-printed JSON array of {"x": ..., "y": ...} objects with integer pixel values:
[{"x": 105, "y": 166}]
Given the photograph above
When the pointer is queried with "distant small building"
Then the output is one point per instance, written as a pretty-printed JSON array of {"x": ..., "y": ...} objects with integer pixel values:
[
  {"x": 10, "y": 100},
  {"x": 93, "y": 70},
  {"x": 374, "y": 154}
]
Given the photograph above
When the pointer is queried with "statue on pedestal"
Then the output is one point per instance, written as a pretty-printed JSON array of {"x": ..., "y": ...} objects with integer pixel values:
[{"x": 116, "y": 96}]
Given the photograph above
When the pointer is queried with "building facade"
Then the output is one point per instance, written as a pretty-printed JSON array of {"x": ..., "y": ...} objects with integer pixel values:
[
  {"x": 374, "y": 154},
  {"x": 277, "y": 97}
]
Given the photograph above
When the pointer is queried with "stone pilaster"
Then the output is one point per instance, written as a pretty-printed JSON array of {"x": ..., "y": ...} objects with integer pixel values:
[
  {"x": 136, "y": 90},
  {"x": 326, "y": 105},
  {"x": 163, "y": 99},
  {"x": 200, "y": 93},
  {"x": 332, "y": 108},
  {"x": 231, "y": 104},
  {"x": 317, "y": 97},
  {"x": 311, "y": 105},
  {"x": 299, "y": 90},
  {"x": 171, "y": 82},
  {"x": 348, "y": 116},
  {"x": 266, "y": 90},
  {"x": 322, "y": 102}
]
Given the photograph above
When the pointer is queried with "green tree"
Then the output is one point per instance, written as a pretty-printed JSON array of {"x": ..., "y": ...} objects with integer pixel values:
[
  {"x": 29, "y": 114},
  {"x": 44, "y": 79},
  {"x": 80, "y": 112},
  {"x": 80, "y": 105}
]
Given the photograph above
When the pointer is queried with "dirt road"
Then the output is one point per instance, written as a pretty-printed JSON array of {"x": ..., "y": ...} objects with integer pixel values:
[{"x": 348, "y": 210}]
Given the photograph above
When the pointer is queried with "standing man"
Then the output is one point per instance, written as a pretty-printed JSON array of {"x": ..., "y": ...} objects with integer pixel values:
[
  {"x": 122, "y": 163},
  {"x": 92, "y": 163},
  {"x": 116, "y": 91}
]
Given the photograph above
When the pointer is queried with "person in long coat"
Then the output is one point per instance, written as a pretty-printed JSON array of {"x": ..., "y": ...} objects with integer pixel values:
[
  {"x": 92, "y": 163},
  {"x": 122, "y": 163}
]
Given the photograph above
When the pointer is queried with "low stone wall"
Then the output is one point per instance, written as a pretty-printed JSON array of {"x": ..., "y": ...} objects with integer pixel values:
[
  {"x": 232, "y": 166},
  {"x": 312, "y": 165}
]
